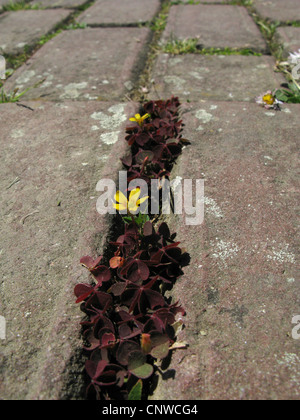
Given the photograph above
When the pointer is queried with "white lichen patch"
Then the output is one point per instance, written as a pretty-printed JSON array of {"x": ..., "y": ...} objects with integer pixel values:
[
  {"x": 48, "y": 82},
  {"x": 204, "y": 116},
  {"x": 281, "y": 254},
  {"x": 110, "y": 138},
  {"x": 89, "y": 97},
  {"x": 16, "y": 134},
  {"x": 291, "y": 361},
  {"x": 213, "y": 208},
  {"x": 128, "y": 85},
  {"x": 196, "y": 75},
  {"x": 262, "y": 66},
  {"x": 72, "y": 90},
  {"x": 174, "y": 61},
  {"x": 110, "y": 121},
  {"x": 178, "y": 82},
  {"x": 224, "y": 251},
  {"x": 25, "y": 77},
  {"x": 270, "y": 114},
  {"x": 62, "y": 106},
  {"x": 113, "y": 120}
]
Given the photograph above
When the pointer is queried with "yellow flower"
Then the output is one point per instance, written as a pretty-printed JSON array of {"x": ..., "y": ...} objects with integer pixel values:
[
  {"x": 269, "y": 99},
  {"x": 140, "y": 120},
  {"x": 130, "y": 205}
]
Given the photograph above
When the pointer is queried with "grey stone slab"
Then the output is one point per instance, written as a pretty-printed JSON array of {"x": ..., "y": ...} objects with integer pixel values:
[
  {"x": 72, "y": 4},
  {"x": 222, "y": 78},
  {"x": 85, "y": 64},
  {"x": 49, "y": 221},
  {"x": 26, "y": 27},
  {"x": 120, "y": 12},
  {"x": 216, "y": 26},
  {"x": 208, "y": 1},
  {"x": 289, "y": 36},
  {"x": 4, "y": 2},
  {"x": 278, "y": 10},
  {"x": 241, "y": 289}
]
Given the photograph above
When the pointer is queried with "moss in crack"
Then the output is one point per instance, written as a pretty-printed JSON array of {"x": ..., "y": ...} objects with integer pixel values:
[
  {"x": 15, "y": 6},
  {"x": 157, "y": 26},
  {"x": 191, "y": 46}
]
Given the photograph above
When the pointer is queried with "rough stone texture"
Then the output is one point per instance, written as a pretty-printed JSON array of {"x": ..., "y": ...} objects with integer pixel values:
[
  {"x": 103, "y": 65},
  {"x": 20, "y": 28},
  {"x": 210, "y": 1},
  {"x": 120, "y": 12},
  {"x": 241, "y": 289},
  {"x": 278, "y": 10},
  {"x": 196, "y": 77},
  {"x": 290, "y": 38},
  {"x": 72, "y": 4},
  {"x": 4, "y": 3},
  {"x": 214, "y": 26},
  {"x": 59, "y": 152}
]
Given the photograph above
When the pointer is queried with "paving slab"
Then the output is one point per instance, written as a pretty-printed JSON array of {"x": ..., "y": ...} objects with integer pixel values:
[
  {"x": 26, "y": 27},
  {"x": 48, "y": 222},
  {"x": 120, "y": 12},
  {"x": 278, "y": 10},
  {"x": 72, "y": 4},
  {"x": 216, "y": 26},
  {"x": 4, "y": 3},
  {"x": 208, "y": 1},
  {"x": 104, "y": 65},
  {"x": 197, "y": 77},
  {"x": 241, "y": 289},
  {"x": 289, "y": 36}
]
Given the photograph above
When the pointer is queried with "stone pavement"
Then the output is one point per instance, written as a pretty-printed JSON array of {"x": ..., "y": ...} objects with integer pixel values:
[{"x": 241, "y": 289}]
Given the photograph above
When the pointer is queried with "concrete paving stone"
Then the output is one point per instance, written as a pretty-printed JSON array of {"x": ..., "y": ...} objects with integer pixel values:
[
  {"x": 26, "y": 27},
  {"x": 209, "y": 1},
  {"x": 216, "y": 26},
  {"x": 197, "y": 77},
  {"x": 289, "y": 36},
  {"x": 241, "y": 289},
  {"x": 72, "y": 4},
  {"x": 103, "y": 66},
  {"x": 4, "y": 3},
  {"x": 120, "y": 12},
  {"x": 49, "y": 220},
  {"x": 278, "y": 10}
]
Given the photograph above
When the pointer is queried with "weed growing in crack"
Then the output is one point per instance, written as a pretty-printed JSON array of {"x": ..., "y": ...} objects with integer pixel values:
[{"x": 130, "y": 325}]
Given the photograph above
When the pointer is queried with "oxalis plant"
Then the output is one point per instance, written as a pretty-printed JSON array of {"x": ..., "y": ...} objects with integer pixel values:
[{"x": 130, "y": 326}]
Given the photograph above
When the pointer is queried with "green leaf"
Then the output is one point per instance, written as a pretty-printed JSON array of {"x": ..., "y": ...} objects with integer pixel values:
[
  {"x": 143, "y": 372},
  {"x": 141, "y": 219},
  {"x": 293, "y": 88},
  {"x": 137, "y": 365},
  {"x": 161, "y": 351},
  {"x": 127, "y": 219},
  {"x": 282, "y": 97},
  {"x": 136, "y": 392}
]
